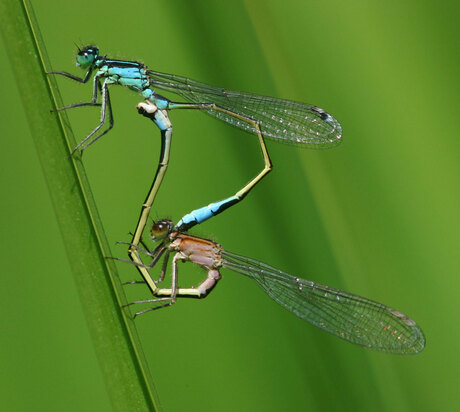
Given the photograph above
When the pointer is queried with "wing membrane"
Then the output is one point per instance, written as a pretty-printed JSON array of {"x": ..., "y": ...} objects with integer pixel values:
[
  {"x": 284, "y": 120},
  {"x": 351, "y": 317}
]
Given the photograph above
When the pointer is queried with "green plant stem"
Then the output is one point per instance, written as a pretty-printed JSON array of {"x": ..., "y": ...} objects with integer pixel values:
[{"x": 115, "y": 339}]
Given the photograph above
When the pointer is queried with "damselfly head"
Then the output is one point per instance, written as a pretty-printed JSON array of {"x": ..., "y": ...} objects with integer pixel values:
[
  {"x": 161, "y": 229},
  {"x": 87, "y": 56}
]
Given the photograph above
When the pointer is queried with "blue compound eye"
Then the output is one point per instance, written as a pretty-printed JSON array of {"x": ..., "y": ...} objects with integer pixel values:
[{"x": 87, "y": 56}]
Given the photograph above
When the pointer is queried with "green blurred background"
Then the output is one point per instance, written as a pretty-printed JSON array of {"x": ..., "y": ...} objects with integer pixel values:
[{"x": 377, "y": 216}]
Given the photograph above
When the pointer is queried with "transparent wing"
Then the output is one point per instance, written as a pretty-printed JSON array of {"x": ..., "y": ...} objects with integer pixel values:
[
  {"x": 353, "y": 318},
  {"x": 285, "y": 120}
]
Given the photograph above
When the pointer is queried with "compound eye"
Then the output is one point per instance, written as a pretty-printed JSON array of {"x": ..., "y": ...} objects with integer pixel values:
[
  {"x": 161, "y": 229},
  {"x": 87, "y": 56}
]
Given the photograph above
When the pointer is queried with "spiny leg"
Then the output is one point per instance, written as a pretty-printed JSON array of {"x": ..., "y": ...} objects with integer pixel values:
[
  {"x": 106, "y": 104},
  {"x": 139, "y": 302},
  {"x": 150, "y": 266},
  {"x": 144, "y": 249},
  {"x": 73, "y": 77},
  {"x": 171, "y": 298},
  {"x": 156, "y": 255},
  {"x": 93, "y": 102}
]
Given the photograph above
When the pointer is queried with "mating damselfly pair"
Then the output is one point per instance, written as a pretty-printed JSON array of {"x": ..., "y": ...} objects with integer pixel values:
[{"x": 348, "y": 316}]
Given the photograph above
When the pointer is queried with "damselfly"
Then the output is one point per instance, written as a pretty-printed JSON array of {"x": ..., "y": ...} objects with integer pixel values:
[
  {"x": 283, "y": 120},
  {"x": 350, "y": 317}
]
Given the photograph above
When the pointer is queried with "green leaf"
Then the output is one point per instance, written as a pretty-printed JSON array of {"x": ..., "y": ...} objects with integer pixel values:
[{"x": 115, "y": 339}]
